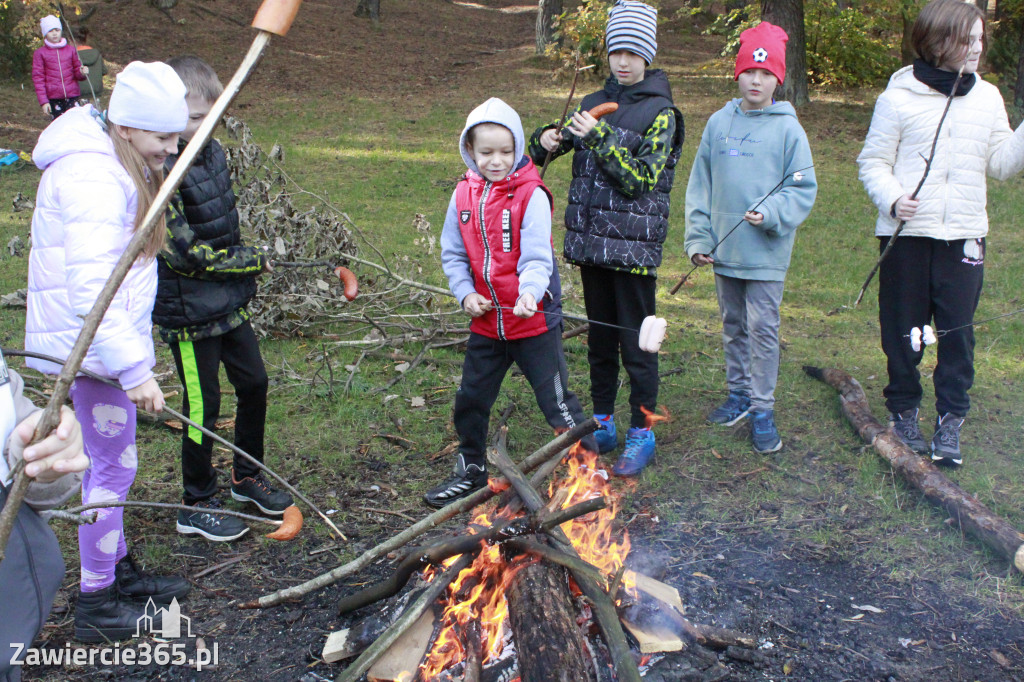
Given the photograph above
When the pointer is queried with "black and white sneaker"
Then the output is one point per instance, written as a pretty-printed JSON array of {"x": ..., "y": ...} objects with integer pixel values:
[
  {"x": 203, "y": 520},
  {"x": 255, "y": 489},
  {"x": 904, "y": 425},
  {"x": 946, "y": 441},
  {"x": 466, "y": 481}
]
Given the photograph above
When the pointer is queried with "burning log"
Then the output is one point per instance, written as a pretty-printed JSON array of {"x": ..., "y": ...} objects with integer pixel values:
[
  {"x": 543, "y": 621},
  {"x": 963, "y": 508},
  {"x": 421, "y": 557},
  {"x": 541, "y": 455},
  {"x": 625, "y": 665},
  {"x": 405, "y": 621}
]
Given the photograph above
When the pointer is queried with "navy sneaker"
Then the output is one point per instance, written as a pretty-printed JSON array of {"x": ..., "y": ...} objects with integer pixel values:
[
  {"x": 763, "y": 434},
  {"x": 606, "y": 437},
  {"x": 735, "y": 408},
  {"x": 946, "y": 441},
  {"x": 467, "y": 480},
  {"x": 904, "y": 425},
  {"x": 204, "y": 520},
  {"x": 637, "y": 454}
]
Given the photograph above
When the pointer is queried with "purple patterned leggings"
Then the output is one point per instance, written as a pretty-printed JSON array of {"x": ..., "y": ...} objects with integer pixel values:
[{"x": 108, "y": 428}]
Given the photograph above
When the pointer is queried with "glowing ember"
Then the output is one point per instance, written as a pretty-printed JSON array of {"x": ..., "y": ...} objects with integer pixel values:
[{"x": 478, "y": 593}]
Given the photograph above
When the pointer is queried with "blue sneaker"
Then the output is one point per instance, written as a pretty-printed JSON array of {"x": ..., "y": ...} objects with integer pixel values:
[
  {"x": 637, "y": 454},
  {"x": 606, "y": 437},
  {"x": 735, "y": 408},
  {"x": 763, "y": 434}
]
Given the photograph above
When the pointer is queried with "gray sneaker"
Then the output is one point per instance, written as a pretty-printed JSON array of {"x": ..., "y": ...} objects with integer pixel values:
[
  {"x": 946, "y": 441},
  {"x": 905, "y": 425}
]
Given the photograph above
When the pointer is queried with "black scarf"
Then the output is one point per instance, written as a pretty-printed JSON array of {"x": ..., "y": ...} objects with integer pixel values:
[{"x": 942, "y": 80}]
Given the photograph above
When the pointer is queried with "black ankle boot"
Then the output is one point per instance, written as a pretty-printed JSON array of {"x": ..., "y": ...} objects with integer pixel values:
[
  {"x": 103, "y": 616},
  {"x": 133, "y": 583}
]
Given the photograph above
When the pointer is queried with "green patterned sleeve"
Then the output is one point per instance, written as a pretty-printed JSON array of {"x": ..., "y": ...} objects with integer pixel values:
[
  {"x": 634, "y": 174},
  {"x": 192, "y": 257},
  {"x": 538, "y": 153}
]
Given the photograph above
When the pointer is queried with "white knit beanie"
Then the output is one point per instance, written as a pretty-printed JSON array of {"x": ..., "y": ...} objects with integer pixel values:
[
  {"x": 633, "y": 26},
  {"x": 149, "y": 96},
  {"x": 48, "y": 23}
]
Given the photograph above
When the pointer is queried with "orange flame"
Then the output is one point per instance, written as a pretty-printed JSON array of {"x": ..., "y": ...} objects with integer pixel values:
[
  {"x": 653, "y": 418},
  {"x": 498, "y": 485},
  {"x": 478, "y": 593}
]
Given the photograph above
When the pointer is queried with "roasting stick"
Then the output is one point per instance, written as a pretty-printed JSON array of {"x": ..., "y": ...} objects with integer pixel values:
[
  {"x": 195, "y": 425},
  {"x": 273, "y": 17}
]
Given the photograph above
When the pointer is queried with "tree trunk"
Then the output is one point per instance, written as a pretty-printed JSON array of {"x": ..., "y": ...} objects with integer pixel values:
[
  {"x": 965, "y": 509},
  {"x": 547, "y": 10},
  {"x": 906, "y": 49},
  {"x": 789, "y": 14},
  {"x": 369, "y": 8},
  {"x": 543, "y": 621},
  {"x": 1018, "y": 85}
]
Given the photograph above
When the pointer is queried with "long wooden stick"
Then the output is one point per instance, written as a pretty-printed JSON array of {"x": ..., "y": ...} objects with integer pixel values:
[
  {"x": 274, "y": 16},
  {"x": 625, "y": 665},
  {"x": 73, "y": 514},
  {"x": 924, "y": 176},
  {"x": 199, "y": 427},
  {"x": 962, "y": 507},
  {"x": 553, "y": 448},
  {"x": 565, "y": 112}
]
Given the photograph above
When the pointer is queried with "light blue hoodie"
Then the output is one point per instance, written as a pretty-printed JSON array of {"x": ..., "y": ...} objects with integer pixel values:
[{"x": 742, "y": 156}]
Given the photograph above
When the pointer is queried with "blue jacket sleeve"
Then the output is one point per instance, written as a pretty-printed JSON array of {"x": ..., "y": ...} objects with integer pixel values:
[
  {"x": 536, "y": 257},
  {"x": 786, "y": 209}
]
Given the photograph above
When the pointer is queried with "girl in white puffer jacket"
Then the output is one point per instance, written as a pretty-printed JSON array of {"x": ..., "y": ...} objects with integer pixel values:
[
  {"x": 934, "y": 272},
  {"x": 99, "y": 179}
]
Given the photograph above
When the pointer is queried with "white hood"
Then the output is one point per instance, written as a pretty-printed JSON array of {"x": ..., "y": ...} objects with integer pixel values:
[{"x": 78, "y": 130}]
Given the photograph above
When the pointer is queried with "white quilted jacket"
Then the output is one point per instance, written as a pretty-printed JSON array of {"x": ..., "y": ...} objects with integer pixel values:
[
  {"x": 975, "y": 141},
  {"x": 83, "y": 220}
]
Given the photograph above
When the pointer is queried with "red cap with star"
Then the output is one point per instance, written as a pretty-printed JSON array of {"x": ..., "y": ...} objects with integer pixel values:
[{"x": 763, "y": 47}]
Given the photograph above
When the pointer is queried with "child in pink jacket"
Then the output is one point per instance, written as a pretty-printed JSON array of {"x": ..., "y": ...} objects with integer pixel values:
[{"x": 56, "y": 70}]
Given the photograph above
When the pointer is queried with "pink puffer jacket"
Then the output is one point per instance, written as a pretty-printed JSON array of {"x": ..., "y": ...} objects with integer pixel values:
[{"x": 56, "y": 72}]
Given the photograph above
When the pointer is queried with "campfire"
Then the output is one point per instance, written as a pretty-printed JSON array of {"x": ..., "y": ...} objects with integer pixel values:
[{"x": 534, "y": 590}]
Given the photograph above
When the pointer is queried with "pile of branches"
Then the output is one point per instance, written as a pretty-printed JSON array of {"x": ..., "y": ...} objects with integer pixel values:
[{"x": 291, "y": 298}]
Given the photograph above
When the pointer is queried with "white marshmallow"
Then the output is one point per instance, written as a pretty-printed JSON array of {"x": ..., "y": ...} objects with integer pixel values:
[
  {"x": 915, "y": 339},
  {"x": 652, "y": 333},
  {"x": 929, "y": 336}
]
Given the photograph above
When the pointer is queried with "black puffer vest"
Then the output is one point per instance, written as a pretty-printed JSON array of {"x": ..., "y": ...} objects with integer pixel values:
[
  {"x": 209, "y": 205},
  {"x": 603, "y": 226}
]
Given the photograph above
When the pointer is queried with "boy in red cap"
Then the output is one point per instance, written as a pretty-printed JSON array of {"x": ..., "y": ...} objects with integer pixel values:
[{"x": 752, "y": 150}]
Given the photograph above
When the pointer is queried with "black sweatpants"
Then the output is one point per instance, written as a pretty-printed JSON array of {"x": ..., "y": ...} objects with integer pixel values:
[
  {"x": 62, "y": 105},
  {"x": 198, "y": 365},
  {"x": 487, "y": 361},
  {"x": 930, "y": 281},
  {"x": 623, "y": 299}
]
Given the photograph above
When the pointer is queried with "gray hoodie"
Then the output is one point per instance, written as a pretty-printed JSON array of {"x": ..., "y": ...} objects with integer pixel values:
[{"x": 536, "y": 262}]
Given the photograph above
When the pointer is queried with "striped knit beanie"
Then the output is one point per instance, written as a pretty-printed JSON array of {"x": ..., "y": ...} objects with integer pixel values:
[{"x": 633, "y": 26}]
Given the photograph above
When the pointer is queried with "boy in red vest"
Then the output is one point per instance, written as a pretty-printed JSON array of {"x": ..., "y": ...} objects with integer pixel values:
[{"x": 497, "y": 253}]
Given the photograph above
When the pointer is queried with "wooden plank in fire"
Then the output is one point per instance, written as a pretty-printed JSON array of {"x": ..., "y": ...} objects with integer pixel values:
[
  {"x": 654, "y": 635},
  {"x": 402, "y": 658}
]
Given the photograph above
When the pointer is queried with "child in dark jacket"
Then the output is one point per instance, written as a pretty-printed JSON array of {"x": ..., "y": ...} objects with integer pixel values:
[
  {"x": 206, "y": 279},
  {"x": 617, "y": 218},
  {"x": 497, "y": 253},
  {"x": 56, "y": 70}
]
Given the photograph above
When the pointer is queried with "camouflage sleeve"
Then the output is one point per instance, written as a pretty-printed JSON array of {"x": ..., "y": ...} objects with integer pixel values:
[
  {"x": 634, "y": 174},
  {"x": 192, "y": 257},
  {"x": 538, "y": 153}
]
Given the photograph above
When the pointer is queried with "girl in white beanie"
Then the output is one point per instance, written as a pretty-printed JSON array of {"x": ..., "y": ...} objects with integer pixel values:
[{"x": 100, "y": 175}]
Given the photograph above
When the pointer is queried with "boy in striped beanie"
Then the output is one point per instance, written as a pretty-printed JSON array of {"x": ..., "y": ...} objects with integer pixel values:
[{"x": 617, "y": 218}]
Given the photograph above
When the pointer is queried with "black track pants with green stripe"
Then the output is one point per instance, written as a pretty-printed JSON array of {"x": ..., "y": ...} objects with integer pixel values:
[{"x": 198, "y": 365}]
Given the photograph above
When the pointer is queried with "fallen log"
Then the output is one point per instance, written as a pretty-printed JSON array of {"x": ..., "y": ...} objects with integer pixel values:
[
  {"x": 541, "y": 455},
  {"x": 604, "y": 611},
  {"x": 965, "y": 509}
]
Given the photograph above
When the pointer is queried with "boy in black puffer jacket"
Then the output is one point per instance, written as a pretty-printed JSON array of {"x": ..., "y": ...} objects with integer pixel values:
[
  {"x": 206, "y": 279},
  {"x": 617, "y": 218}
]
